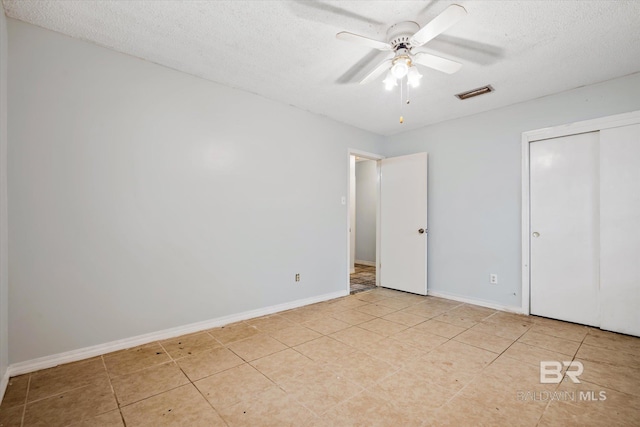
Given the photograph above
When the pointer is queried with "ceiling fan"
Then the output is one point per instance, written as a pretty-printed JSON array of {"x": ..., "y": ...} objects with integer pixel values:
[{"x": 402, "y": 39}]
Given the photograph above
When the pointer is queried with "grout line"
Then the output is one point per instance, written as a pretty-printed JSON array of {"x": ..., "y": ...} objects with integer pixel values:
[{"x": 26, "y": 399}]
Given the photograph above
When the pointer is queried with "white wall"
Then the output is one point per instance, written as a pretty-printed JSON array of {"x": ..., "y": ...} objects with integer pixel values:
[
  {"x": 366, "y": 203},
  {"x": 143, "y": 198},
  {"x": 474, "y": 185},
  {"x": 4, "y": 277}
]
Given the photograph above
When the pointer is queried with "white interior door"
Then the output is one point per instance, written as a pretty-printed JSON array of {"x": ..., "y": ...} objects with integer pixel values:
[
  {"x": 564, "y": 191},
  {"x": 620, "y": 229},
  {"x": 403, "y": 213}
]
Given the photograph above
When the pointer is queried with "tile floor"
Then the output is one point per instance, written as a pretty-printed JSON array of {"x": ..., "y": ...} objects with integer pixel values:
[
  {"x": 376, "y": 358},
  {"x": 363, "y": 279}
]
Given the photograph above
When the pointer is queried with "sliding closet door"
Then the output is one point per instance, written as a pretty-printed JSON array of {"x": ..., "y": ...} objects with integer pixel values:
[
  {"x": 620, "y": 229},
  {"x": 564, "y": 187}
]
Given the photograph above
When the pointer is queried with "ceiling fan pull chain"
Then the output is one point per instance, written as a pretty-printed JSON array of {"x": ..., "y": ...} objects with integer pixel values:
[{"x": 401, "y": 97}]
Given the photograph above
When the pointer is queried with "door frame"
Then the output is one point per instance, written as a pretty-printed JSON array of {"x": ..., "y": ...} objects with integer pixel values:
[
  {"x": 549, "y": 133},
  {"x": 375, "y": 157}
]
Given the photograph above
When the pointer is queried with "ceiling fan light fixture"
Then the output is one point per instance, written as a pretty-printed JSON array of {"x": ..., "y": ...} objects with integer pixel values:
[
  {"x": 413, "y": 77},
  {"x": 400, "y": 68},
  {"x": 390, "y": 81}
]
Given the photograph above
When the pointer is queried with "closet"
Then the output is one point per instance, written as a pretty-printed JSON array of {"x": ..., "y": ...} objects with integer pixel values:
[{"x": 583, "y": 220}]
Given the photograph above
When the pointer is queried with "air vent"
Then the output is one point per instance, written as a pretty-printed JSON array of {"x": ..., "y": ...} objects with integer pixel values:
[{"x": 475, "y": 92}]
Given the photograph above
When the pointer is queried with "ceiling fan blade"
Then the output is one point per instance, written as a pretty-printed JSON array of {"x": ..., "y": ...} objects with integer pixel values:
[
  {"x": 437, "y": 63},
  {"x": 438, "y": 25},
  {"x": 381, "y": 68},
  {"x": 365, "y": 41}
]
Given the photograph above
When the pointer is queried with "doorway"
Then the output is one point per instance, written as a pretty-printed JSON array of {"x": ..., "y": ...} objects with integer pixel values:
[{"x": 363, "y": 220}]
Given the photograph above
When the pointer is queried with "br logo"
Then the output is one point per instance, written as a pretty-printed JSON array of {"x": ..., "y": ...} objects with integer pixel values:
[{"x": 551, "y": 371}]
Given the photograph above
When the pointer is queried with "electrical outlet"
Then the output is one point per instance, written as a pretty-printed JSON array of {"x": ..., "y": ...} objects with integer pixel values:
[
  {"x": 297, "y": 277},
  {"x": 493, "y": 279}
]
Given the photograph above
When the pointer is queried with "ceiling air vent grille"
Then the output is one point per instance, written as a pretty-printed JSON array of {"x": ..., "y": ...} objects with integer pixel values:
[{"x": 475, "y": 92}]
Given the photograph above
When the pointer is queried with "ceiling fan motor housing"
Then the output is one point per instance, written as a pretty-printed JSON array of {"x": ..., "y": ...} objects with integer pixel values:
[{"x": 400, "y": 33}]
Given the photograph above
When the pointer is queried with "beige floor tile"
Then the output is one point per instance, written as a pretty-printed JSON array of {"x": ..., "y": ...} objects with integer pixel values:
[
  {"x": 403, "y": 318},
  {"x": 454, "y": 356},
  {"x": 621, "y": 378},
  {"x": 483, "y": 404},
  {"x": 327, "y": 325},
  {"x": 474, "y": 312},
  {"x": 413, "y": 394},
  {"x": 320, "y": 389},
  {"x": 492, "y": 343},
  {"x": 183, "y": 406},
  {"x": 284, "y": 364},
  {"x": 148, "y": 382},
  {"x": 352, "y": 317},
  {"x": 108, "y": 419},
  {"x": 71, "y": 406},
  {"x": 256, "y": 347},
  {"x": 369, "y": 410},
  {"x": 410, "y": 298},
  {"x": 550, "y": 342},
  {"x": 513, "y": 376},
  {"x": 233, "y": 385},
  {"x": 503, "y": 317},
  {"x": 457, "y": 318},
  {"x": 613, "y": 341},
  {"x": 532, "y": 355},
  {"x": 11, "y": 416},
  {"x": 382, "y": 326},
  {"x": 361, "y": 368},
  {"x": 134, "y": 359},
  {"x": 442, "y": 329},
  {"x": 605, "y": 355},
  {"x": 566, "y": 331},
  {"x": 386, "y": 292},
  {"x": 356, "y": 336},
  {"x": 580, "y": 409},
  {"x": 304, "y": 314},
  {"x": 16, "y": 392},
  {"x": 187, "y": 345},
  {"x": 510, "y": 330},
  {"x": 419, "y": 339},
  {"x": 271, "y": 323},
  {"x": 395, "y": 303},
  {"x": 209, "y": 362},
  {"x": 66, "y": 377},
  {"x": 295, "y": 335},
  {"x": 370, "y": 296},
  {"x": 427, "y": 311},
  {"x": 392, "y": 351},
  {"x": 233, "y": 332},
  {"x": 347, "y": 303},
  {"x": 324, "y": 349},
  {"x": 271, "y": 408},
  {"x": 376, "y": 310}
]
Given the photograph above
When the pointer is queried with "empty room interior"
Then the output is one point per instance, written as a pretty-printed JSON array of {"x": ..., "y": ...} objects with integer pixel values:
[{"x": 319, "y": 213}]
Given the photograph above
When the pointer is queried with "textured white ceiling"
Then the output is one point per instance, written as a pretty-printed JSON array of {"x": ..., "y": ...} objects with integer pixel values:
[{"x": 287, "y": 50}]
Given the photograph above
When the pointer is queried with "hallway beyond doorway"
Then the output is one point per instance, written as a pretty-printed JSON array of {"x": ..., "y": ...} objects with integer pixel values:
[{"x": 363, "y": 279}]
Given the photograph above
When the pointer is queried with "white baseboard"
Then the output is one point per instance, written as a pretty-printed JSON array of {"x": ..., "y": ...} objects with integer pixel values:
[
  {"x": 369, "y": 263},
  {"x": 100, "y": 349},
  {"x": 4, "y": 382},
  {"x": 474, "y": 301}
]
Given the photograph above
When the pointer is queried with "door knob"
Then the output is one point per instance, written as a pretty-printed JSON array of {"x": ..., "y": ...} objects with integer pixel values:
[
  {"x": 421, "y": 231},
  {"x": 536, "y": 234}
]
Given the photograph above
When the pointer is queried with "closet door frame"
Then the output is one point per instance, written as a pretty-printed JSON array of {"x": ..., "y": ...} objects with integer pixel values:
[{"x": 548, "y": 133}]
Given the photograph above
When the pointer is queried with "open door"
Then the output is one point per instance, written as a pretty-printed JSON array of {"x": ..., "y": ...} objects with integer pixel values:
[{"x": 403, "y": 223}]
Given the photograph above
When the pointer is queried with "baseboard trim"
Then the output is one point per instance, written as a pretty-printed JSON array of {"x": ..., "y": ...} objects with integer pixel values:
[
  {"x": 4, "y": 382},
  {"x": 100, "y": 349},
  {"x": 369, "y": 263},
  {"x": 474, "y": 301}
]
